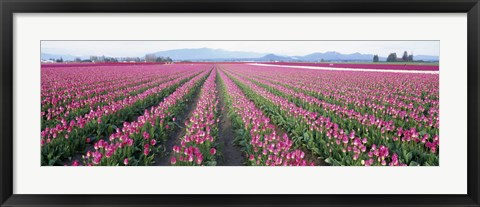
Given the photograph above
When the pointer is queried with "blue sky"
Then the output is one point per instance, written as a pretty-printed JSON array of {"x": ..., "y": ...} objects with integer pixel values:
[{"x": 291, "y": 48}]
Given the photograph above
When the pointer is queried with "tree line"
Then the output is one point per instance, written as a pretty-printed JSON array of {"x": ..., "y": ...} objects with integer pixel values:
[
  {"x": 105, "y": 59},
  {"x": 392, "y": 57}
]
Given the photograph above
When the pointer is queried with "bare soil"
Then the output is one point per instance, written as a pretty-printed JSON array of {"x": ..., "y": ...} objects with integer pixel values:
[
  {"x": 174, "y": 137},
  {"x": 231, "y": 154}
]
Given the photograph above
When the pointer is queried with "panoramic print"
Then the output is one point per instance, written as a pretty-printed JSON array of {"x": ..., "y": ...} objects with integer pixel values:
[{"x": 240, "y": 103}]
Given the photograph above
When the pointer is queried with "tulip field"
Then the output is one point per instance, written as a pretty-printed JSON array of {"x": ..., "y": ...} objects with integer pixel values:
[{"x": 217, "y": 114}]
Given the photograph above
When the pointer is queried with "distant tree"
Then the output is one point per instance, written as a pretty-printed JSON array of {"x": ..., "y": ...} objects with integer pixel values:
[
  {"x": 375, "y": 58},
  {"x": 405, "y": 56},
  {"x": 59, "y": 60},
  {"x": 129, "y": 59},
  {"x": 111, "y": 60},
  {"x": 410, "y": 58},
  {"x": 392, "y": 57},
  {"x": 322, "y": 60},
  {"x": 77, "y": 59},
  {"x": 163, "y": 60},
  {"x": 94, "y": 59},
  {"x": 103, "y": 59},
  {"x": 151, "y": 58}
]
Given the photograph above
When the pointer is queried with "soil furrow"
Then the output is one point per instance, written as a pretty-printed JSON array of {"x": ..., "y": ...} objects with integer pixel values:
[
  {"x": 174, "y": 137},
  {"x": 231, "y": 154}
]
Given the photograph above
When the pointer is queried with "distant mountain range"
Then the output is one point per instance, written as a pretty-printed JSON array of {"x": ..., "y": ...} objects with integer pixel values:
[
  {"x": 208, "y": 54},
  {"x": 338, "y": 56}
]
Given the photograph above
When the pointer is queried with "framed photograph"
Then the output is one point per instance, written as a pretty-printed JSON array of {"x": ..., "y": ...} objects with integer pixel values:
[{"x": 202, "y": 103}]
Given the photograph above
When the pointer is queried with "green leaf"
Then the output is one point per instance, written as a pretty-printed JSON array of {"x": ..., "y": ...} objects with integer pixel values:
[
  {"x": 211, "y": 163},
  {"x": 306, "y": 136},
  {"x": 413, "y": 163},
  {"x": 409, "y": 156}
]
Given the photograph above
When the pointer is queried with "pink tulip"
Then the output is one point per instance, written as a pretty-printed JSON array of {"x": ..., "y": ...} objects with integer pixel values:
[{"x": 75, "y": 163}]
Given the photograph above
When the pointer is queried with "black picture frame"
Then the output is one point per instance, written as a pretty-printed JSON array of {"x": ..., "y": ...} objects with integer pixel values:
[{"x": 9, "y": 7}]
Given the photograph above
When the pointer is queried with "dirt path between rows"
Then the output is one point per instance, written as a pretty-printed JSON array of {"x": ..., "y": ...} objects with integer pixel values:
[
  {"x": 231, "y": 153},
  {"x": 174, "y": 137},
  {"x": 90, "y": 146}
]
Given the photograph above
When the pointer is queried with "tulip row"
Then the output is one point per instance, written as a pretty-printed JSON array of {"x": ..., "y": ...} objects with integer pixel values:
[
  {"x": 412, "y": 97},
  {"x": 138, "y": 142},
  {"x": 427, "y": 137},
  {"x": 387, "y": 121},
  {"x": 324, "y": 137},
  {"x": 62, "y": 85},
  {"x": 197, "y": 147},
  {"x": 57, "y": 81},
  {"x": 263, "y": 146},
  {"x": 55, "y": 98},
  {"x": 59, "y": 84},
  {"x": 65, "y": 139},
  {"x": 74, "y": 108}
]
